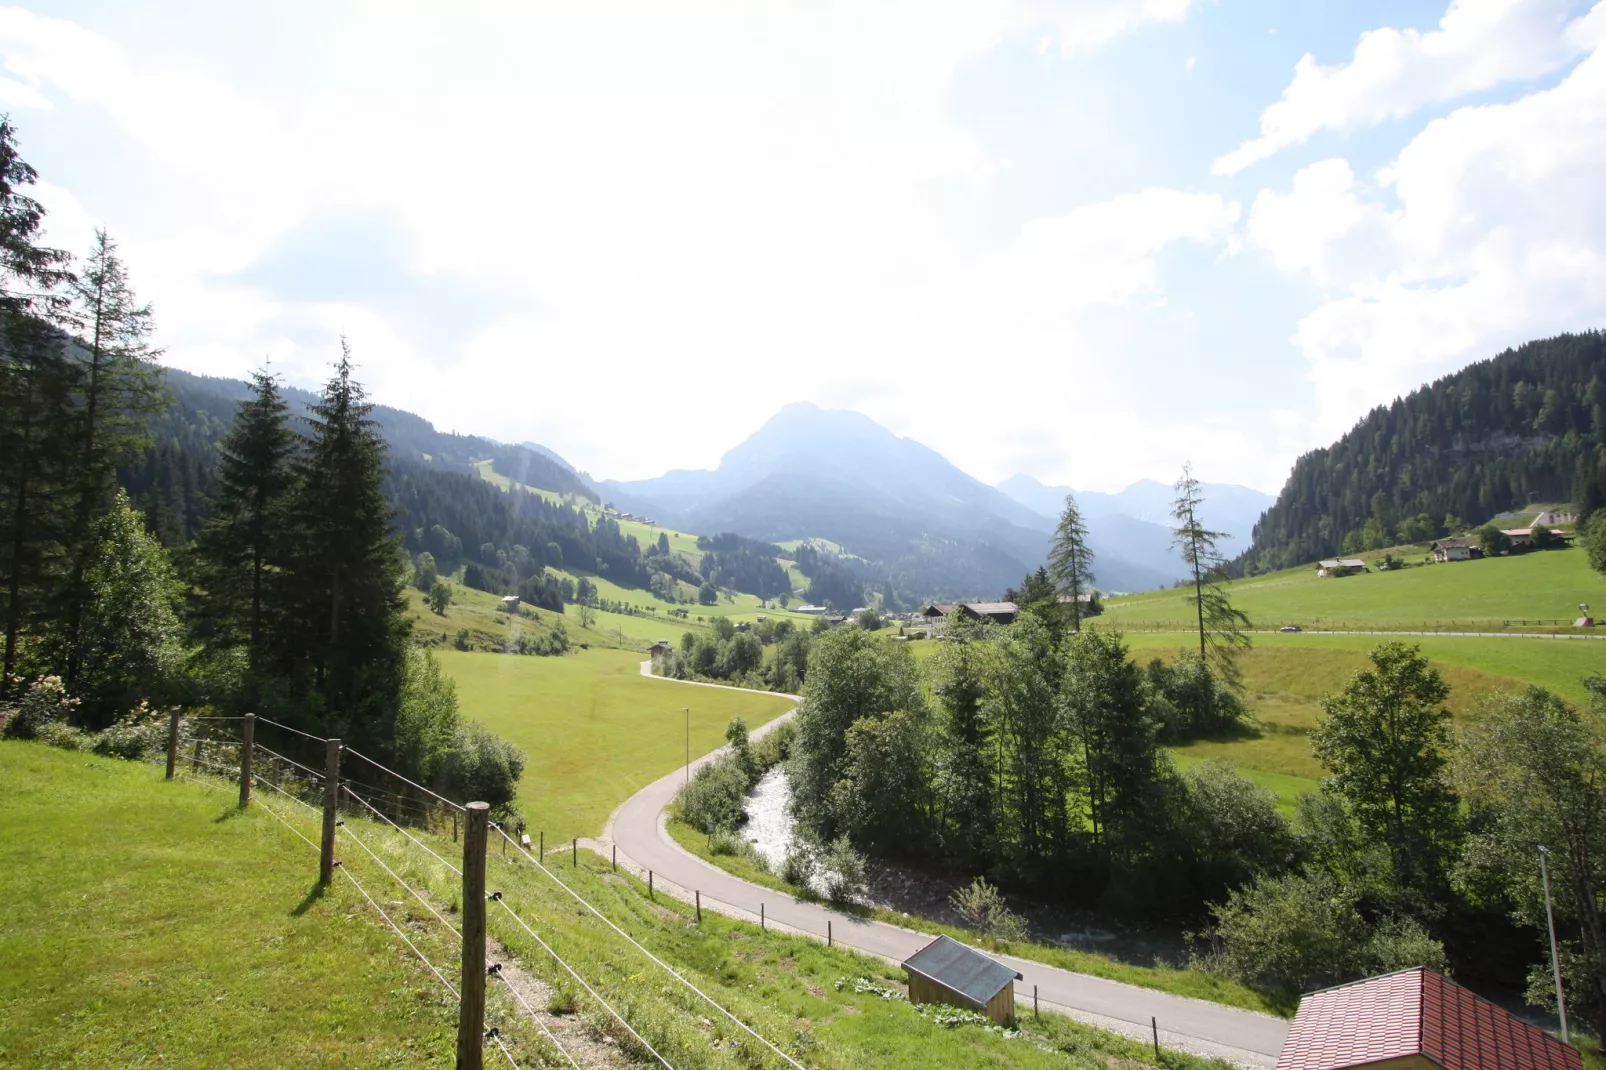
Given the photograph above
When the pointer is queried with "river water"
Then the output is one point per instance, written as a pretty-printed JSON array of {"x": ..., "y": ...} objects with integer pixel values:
[{"x": 769, "y": 816}]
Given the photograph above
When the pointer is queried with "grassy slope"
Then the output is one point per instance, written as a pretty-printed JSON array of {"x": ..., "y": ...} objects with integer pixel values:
[
  {"x": 1482, "y": 593},
  {"x": 149, "y": 922},
  {"x": 594, "y": 729},
  {"x": 207, "y": 910}
]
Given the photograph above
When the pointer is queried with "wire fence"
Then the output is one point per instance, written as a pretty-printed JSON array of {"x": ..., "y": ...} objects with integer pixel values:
[{"x": 227, "y": 749}]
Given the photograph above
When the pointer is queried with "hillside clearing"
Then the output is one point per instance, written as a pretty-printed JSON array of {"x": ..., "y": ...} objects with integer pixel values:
[{"x": 594, "y": 729}]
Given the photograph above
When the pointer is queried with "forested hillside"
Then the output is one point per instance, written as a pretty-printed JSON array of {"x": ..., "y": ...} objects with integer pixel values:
[{"x": 1527, "y": 425}]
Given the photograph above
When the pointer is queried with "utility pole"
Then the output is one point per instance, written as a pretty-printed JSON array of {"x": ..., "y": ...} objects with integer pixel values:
[
  {"x": 1555, "y": 961},
  {"x": 687, "y": 711}
]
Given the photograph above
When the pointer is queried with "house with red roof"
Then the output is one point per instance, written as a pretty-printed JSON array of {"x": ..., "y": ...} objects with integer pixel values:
[{"x": 1416, "y": 1020}]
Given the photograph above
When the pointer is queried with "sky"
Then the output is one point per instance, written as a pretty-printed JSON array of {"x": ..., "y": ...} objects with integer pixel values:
[{"x": 1086, "y": 241}]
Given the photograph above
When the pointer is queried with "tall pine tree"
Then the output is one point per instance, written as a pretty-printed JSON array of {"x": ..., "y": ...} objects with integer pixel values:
[
  {"x": 1221, "y": 626},
  {"x": 234, "y": 549},
  {"x": 120, "y": 391},
  {"x": 1070, "y": 561},
  {"x": 341, "y": 634},
  {"x": 37, "y": 392}
]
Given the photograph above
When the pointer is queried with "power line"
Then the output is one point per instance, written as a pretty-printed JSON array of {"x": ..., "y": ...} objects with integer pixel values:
[{"x": 671, "y": 970}]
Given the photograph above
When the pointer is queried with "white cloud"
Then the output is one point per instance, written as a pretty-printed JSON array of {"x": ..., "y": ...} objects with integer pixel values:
[
  {"x": 679, "y": 213},
  {"x": 1496, "y": 235},
  {"x": 1394, "y": 72}
]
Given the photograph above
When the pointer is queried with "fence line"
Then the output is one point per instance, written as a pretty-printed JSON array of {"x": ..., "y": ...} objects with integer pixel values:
[
  {"x": 536, "y": 1019},
  {"x": 403, "y": 831},
  {"x": 297, "y": 731},
  {"x": 605, "y": 1004},
  {"x": 670, "y": 969},
  {"x": 404, "y": 780}
]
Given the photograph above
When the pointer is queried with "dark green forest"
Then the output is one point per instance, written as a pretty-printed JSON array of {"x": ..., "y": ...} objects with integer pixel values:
[{"x": 1528, "y": 425}]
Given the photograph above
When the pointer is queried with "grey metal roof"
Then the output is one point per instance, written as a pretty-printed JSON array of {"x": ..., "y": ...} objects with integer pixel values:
[{"x": 964, "y": 970}]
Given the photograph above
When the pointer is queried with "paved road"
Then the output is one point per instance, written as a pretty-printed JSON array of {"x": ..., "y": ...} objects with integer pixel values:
[
  {"x": 1320, "y": 631},
  {"x": 638, "y": 830}
]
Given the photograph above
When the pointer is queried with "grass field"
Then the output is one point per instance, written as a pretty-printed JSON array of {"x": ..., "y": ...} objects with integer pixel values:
[
  {"x": 144, "y": 923},
  {"x": 594, "y": 729},
  {"x": 188, "y": 938},
  {"x": 1476, "y": 594}
]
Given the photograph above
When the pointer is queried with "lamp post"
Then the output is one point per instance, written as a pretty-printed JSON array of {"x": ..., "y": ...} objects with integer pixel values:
[
  {"x": 687, "y": 711},
  {"x": 1555, "y": 961}
]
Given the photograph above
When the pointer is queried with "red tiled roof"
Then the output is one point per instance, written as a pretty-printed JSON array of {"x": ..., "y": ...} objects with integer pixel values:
[{"x": 1416, "y": 1012}]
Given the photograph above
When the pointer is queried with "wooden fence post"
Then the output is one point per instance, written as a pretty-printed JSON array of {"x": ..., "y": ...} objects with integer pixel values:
[
  {"x": 616, "y": 858},
  {"x": 195, "y": 758},
  {"x": 761, "y": 916},
  {"x": 574, "y": 858},
  {"x": 1035, "y": 1014},
  {"x": 471, "y": 1008},
  {"x": 540, "y": 854},
  {"x": 1154, "y": 1024},
  {"x": 828, "y": 941},
  {"x": 246, "y": 746},
  {"x": 331, "y": 808},
  {"x": 649, "y": 885},
  {"x": 699, "y": 896},
  {"x": 172, "y": 741}
]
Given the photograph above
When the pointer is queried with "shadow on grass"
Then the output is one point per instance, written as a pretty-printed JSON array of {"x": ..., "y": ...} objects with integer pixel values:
[
  {"x": 315, "y": 893},
  {"x": 228, "y": 814}
]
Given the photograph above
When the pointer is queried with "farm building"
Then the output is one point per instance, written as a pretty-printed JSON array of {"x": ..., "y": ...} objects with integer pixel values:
[
  {"x": 510, "y": 603},
  {"x": 1455, "y": 550},
  {"x": 1340, "y": 566},
  {"x": 1522, "y": 538},
  {"x": 946, "y": 971},
  {"x": 814, "y": 611},
  {"x": 1415, "y": 1019},
  {"x": 939, "y": 612},
  {"x": 660, "y": 648},
  {"x": 1552, "y": 517}
]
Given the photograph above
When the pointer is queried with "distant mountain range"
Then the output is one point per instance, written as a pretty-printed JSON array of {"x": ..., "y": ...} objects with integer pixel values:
[
  {"x": 930, "y": 528},
  {"x": 1136, "y": 522}
]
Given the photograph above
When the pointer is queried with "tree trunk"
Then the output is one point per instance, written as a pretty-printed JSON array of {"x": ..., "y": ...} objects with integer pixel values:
[{"x": 18, "y": 541}]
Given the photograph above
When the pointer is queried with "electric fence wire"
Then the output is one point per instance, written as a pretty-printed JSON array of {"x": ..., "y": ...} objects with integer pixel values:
[
  {"x": 275, "y": 754},
  {"x": 537, "y": 1019},
  {"x": 582, "y": 982},
  {"x": 297, "y": 731},
  {"x": 427, "y": 905},
  {"x": 286, "y": 824},
  {"x": 299, "y": 802},
  {"x": 401, "y": 830},
  {"x": 669, "y": 969},
  {"x": 506, "y": 1054},
  {"x": 421, "y": 956},
  {"x": 404, "y": 780}
]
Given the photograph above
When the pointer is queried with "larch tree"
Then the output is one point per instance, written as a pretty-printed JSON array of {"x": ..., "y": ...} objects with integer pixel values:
[
  {"x": 1070, "y": 560},
  {"x": 1221, "y": 626}
]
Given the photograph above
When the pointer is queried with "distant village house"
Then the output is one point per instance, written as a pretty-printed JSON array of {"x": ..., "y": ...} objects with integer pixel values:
[
  {"x": 1455, "y": 550},
  {"x": 1340, "y": 566},
  {"x": 939, "y": 615}
]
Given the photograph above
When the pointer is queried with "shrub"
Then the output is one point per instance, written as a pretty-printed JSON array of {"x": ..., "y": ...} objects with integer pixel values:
[
  {"x": 841, "y": 871},
  {"x": 461, "y": 640},
  {"x": 800, "y": 864},
  {"x": 715, "y": 796},
  {"x": 484, "y": 767},
  {"x": 63, "y": 735},
  {"x": 140, "y": 732},
  {"x": 983, "y": 908},
  {"x": 1196, "y": 702},
  {"x": 45, "y": 703}
]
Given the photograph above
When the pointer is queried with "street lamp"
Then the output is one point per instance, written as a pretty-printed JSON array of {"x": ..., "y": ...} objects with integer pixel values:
[
  {"x": 1555, "y": 961},
  {"x": 687, "y": 711}
]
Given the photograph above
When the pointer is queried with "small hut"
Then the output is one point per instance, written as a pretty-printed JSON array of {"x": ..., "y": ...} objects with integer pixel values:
[{"x": 946, "y": 971}]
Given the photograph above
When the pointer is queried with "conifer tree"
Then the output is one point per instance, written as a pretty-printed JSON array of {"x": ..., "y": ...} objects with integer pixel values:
[
  {"x": 340, "y": 628},
  {"x": 1220, "y": 625},
  {"x": 37, "y": 391},
  {"x": 120, "y": 390},
  {"x": 235, "y": 548},
  {"x": 1070, "y": 561}
]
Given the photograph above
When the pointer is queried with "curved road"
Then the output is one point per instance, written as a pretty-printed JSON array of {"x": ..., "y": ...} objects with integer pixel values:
[{"x": 638, "y": 830}]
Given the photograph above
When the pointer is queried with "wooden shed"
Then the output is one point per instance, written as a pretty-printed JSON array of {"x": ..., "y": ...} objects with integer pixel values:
[{"x": 946, "y": 971}]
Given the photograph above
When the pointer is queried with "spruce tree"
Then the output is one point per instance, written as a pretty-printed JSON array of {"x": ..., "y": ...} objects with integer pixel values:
[
  {"x": 1070, "y": 561},
  {"x": 1220, "y": 625},
  {"x": 37, "y": 395},
  {"x": 120, "y": 390},
  {"x": 341, "y": 631},
  {"x": 236, "y": 546}
]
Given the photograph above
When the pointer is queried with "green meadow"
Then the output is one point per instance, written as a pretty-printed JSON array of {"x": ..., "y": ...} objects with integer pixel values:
[
  {"x": 144, "y": 923},
  {"x": 594, "y": 730},
  {"x": 1465, "y": 595}
]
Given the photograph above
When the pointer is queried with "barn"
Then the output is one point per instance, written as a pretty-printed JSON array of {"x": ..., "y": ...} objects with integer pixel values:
[
  {"x": 946, "y": 971},
  {"x": 1415, "y": 1019}
]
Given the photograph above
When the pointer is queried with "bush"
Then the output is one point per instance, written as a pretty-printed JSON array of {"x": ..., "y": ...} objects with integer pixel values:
[
  {"x": 45, "y": 703},
  {"x": 1196, "y": 702},
  {"x": 484, "y": 767},
  {"x": 983, "y": 908},
  {"x": 63, "y": 735},
  {"x": 800, "y": 864},
  {"x": 841, "y": 872},
  {"x": 715, "y": 796},
  {"x": 140, "y": 732}
]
